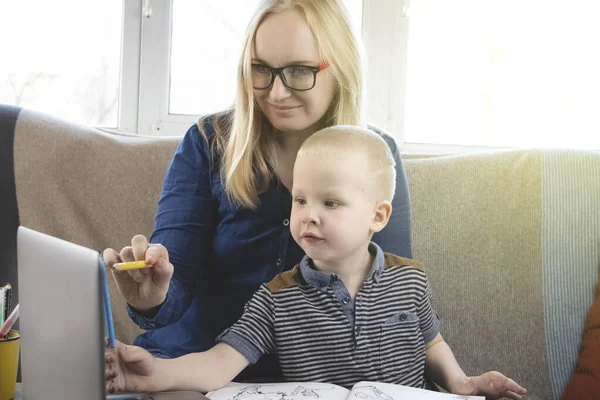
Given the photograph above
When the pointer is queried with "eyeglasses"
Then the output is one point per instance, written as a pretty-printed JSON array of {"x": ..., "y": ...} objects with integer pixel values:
[{"x": 295, "y": 77}]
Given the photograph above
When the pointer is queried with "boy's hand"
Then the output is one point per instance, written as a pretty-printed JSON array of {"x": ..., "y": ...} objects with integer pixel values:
[
  {"x": 130, "y": 369},
  {"x": 492, "y": 385}
]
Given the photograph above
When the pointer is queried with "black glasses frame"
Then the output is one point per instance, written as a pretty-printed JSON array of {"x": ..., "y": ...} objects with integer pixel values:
[{"x": 278, "y": 72}]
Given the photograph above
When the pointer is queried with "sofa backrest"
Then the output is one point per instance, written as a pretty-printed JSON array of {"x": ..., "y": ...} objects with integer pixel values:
[
  {"x": 510, "y": 240},
  {"x": 90, "y": 187},
  {"x": 511, "y": 244}
]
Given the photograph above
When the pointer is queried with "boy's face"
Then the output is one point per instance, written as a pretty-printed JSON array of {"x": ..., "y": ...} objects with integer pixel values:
[{"x": 333, "y": 206}]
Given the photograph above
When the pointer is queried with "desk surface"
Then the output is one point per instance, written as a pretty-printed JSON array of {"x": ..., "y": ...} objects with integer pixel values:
[
  {"x": 162, "y": 396},
  {"x": 18, "y": 392},
  {"x": 19, "y": 389}
]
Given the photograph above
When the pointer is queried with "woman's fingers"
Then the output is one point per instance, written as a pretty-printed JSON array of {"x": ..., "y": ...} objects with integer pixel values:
[
  {"x": 111, "y": 257},
  {"x": 155, "y": 253},
  {"x": 163, "y": 272},
  {"x": 145, "y": 287},
  {"x": 139, "y": 245},
  {"x": 158, "y": 256},
  {"x": 127, "y": 255}
]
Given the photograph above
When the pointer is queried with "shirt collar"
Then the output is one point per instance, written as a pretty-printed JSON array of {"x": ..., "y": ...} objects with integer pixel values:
[{"x": 321, "y": 279}]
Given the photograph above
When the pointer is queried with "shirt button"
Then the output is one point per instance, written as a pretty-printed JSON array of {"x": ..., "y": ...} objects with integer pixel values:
[
  {"x": 358, "y": 331},
  {"x": 402, "y": 317},
  {"x": 286, "y": 222},
  {"x": 278, "y": 262},
  {"x": 346, "y": 300}
]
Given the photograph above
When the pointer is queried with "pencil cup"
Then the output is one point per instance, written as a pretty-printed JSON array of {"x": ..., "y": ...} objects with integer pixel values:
[{"x": 9, "y": 361}]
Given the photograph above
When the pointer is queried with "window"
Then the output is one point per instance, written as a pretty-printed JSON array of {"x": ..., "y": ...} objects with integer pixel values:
[
  {"x": 206, "y": 42},
  {"x": 181, "y": 42},
  {"x": 59, "y": 60},
  {"x": 205, "y": 47},
  {"x": 503, "y": 73},
  {"x": 441, "y": 74}
]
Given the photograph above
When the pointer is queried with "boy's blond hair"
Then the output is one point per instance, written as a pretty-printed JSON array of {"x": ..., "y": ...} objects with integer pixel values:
[
  {"x": 244, "y": 135},
  {"x": 347, "y": 141}
]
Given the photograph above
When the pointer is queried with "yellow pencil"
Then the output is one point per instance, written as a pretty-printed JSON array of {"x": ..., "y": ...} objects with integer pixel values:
[{"x": 130, "y": 265}]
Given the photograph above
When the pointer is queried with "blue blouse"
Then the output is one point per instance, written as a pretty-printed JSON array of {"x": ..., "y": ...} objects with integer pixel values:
[{"x": 223, "y": 253}]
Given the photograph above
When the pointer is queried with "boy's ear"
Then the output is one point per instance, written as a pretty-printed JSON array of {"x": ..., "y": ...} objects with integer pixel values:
[{"x": 383, "y": 211}]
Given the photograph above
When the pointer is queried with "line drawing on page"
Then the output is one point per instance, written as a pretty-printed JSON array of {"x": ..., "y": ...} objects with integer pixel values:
[
  {"x": 261, "y": 392},
  {"x": 374, "y": 393},
  {"x": 377, "y": 394}
]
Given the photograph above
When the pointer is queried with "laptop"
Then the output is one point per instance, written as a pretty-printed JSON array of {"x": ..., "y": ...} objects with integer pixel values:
[{"x": 62, "y": 320}]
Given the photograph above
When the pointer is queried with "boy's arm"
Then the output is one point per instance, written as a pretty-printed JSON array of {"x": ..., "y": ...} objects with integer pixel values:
[
  {"x": 442, "y": 367},
  {"x": 243, "y": 343},
  {"x": 202, "y": 372},
  {"x": 133, "y": 369}
]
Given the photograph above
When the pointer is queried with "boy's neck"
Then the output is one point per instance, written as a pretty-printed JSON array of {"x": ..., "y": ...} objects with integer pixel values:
[{"x": 352, "y": 269}]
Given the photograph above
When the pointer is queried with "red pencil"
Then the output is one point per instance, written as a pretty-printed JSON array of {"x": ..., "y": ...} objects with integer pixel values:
[{"x": 12, "y": 318}]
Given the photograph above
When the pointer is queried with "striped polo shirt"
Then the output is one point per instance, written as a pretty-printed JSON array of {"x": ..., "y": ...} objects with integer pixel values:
[{"x": 320, "y": 333}]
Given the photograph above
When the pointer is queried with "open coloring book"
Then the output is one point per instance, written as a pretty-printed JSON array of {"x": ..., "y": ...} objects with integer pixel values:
[{"x": 327, "y": 391}]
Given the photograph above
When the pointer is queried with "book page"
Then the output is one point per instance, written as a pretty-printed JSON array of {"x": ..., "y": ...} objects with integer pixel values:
[
  {"x": 388, "y": 391},
  {"x": 280, "y": 391}
]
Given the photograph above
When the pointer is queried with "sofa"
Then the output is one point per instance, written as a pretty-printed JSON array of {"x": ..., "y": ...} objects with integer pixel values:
[{"x": 510, "y": 239}]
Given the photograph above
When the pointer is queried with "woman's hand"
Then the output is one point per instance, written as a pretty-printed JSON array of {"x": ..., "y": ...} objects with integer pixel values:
[
  {"x": 146, "y": 288},
  {"x": 492, "y": 385},
  {"x": 130, "y": 369}
]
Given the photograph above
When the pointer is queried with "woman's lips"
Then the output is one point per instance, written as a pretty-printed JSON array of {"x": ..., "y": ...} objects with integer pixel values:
[{"x": 283, "y": 109}]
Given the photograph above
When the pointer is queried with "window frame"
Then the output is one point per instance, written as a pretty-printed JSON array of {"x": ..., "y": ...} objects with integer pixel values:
[
  {"x": 144, "y": 89},
  {"x": 386, "y": 79},
  {"x": 127, "y": 120}
]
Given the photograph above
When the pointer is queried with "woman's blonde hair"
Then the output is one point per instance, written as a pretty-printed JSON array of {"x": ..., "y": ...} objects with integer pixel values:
[{"x": 244, "y": 136}]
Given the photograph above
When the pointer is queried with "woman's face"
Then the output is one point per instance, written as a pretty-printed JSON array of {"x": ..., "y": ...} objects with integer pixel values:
[{"x": 281, "y": 40}]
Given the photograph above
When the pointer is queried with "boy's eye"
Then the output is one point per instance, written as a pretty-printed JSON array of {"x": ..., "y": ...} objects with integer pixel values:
[
  {"x": 330, "y": 203},
  {"x": 300, "y": 201}
]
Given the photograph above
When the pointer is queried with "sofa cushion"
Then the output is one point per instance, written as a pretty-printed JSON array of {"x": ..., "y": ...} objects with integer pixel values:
[{"x": 510, "y": 241}]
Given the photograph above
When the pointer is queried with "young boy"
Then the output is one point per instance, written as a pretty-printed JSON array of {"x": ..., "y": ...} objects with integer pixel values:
[{"x": 348, "y": 312}]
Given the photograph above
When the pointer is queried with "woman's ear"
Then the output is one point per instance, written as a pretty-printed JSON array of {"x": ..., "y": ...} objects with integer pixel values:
[{"x": 382, "y": 214}]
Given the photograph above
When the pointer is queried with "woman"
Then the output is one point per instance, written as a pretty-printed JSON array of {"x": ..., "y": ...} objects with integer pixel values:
[{"x": 222, "y": 222}]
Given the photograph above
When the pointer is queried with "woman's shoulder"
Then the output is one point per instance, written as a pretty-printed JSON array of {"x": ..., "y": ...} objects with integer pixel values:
[
  {"x": 213, "y": 126},
  {"x": 209, "y": 131}
]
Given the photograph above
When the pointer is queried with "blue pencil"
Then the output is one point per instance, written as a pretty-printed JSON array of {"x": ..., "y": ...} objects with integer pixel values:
[{"x": 107, "y": 310}]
